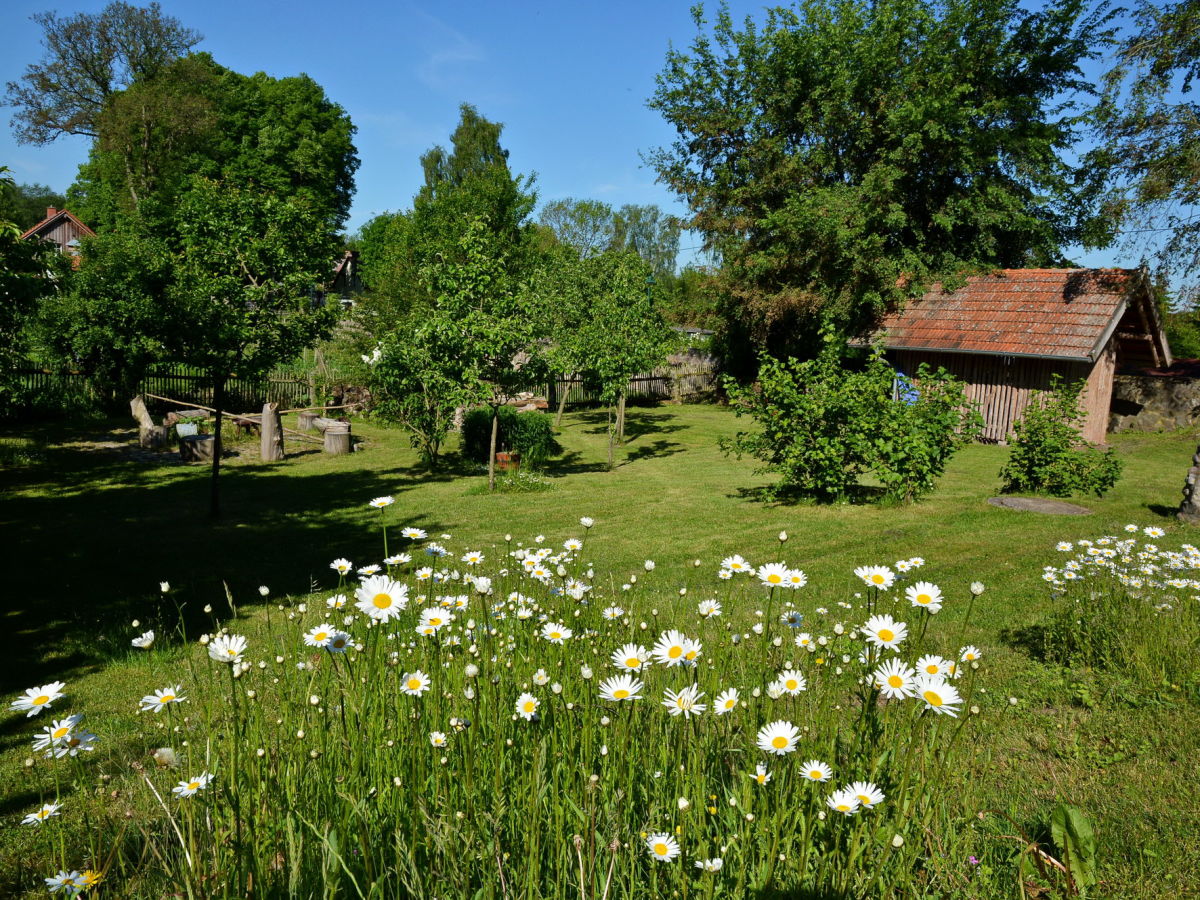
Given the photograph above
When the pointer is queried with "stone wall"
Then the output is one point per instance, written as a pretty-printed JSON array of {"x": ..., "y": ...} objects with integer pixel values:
[{"x": 1154, "y": 403}]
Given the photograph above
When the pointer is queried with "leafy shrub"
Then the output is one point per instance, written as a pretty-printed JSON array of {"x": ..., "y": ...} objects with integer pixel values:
[
  {"x": 531, "y": 434},
  {"x": 824, "y": 426},
  {"x": 1049, "y": 456}
]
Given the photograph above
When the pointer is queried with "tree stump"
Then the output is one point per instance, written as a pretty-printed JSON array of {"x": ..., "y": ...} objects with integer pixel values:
[
  {"x": 307, "y": 420},
  {"x": 337, "y": 438},
  {"x": 321, "y": 423},
  {"x": 197, "y": 447},
  {"x": 153, "y": 438},
  {"x": 1189, "y": 510},
  {"x": 271, "y": 446}
]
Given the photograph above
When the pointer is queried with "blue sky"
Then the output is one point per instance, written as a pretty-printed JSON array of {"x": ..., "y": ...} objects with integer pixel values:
[{"x": 568, "y": 79}]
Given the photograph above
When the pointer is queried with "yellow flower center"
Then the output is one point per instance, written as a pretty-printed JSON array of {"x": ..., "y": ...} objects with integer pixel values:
[
  {"x": 864, "y": 799},
  {"x": 42, "y": 700},
  {"x": 878, "y": 579},
  {"x": 382, "y": 601},
  {"x": 231, "y": 652},
  {"x": 816, "y": 774},
  {"x": 166, "y": 698},
  {"x": 924, "y": 599},
  {"x": 729, "y": 704},
  {"x": 932, "y": 698},
  {"x": 886, "y": 634},
  {"x": 555, "y": 635},
  {"x": 621, "y": 694},
  {"x": 321, "y": 636},
  {"x": 435, "y": 621},
  {"x": 779, "y": 742},
  {"x": 675, "y": 652},
  {"x": 414, "y": 684},
  {"x": 690, "y": 655},
  {"x": 661, "y": 849},
  {"x": 895, "y": 681},
  {"x": 633, "y": 662},
  {"x": 529, "y": 706},
  {"x": 774, "y": 579},
  {"x": 843, "y": 807},
  {"x": 791, "y": 684},
  {"x": 61, "y": 732},
  {"x": 762, "y": 779}
]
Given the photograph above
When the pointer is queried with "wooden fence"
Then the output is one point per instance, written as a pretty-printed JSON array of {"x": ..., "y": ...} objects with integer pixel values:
[
  {"x": 692, "y": 378},
  {"x": 67, "y": 390}
]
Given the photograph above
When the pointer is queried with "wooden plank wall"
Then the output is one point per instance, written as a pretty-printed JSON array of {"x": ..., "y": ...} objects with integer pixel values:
[{"x": 1001, "y": 385}]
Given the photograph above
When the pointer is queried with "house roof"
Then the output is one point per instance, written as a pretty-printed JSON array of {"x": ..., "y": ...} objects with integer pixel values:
[
  {"x": 1067, "y": 314},
  {"x": 54, "y": 218}
]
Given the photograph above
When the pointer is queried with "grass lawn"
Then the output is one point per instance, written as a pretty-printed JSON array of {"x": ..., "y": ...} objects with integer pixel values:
[{"x": 89, "y": 532}]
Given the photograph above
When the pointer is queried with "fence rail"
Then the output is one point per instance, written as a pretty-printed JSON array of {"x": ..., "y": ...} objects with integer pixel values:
[{"x": 693, "y": 378}]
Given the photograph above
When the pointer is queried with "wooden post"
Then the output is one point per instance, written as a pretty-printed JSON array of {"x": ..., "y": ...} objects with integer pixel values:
[
  {"x": 197, "y": 447},
  {"x": 271, "y": 446},
  {"x": 150, "y": 436},
  {"x": 337, "y": 438},
  {"x": 307, "y": 420}
]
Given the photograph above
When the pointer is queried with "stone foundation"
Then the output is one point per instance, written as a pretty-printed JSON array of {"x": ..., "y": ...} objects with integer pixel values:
[{"x": 1154, "y": 403}]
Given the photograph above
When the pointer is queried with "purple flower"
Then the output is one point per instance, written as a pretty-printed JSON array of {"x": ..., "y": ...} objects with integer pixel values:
[{"x": 973, "y": 860}]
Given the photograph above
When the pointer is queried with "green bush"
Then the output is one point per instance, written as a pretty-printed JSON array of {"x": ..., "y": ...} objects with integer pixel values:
[
  {"x": 1048, "y": 454},
  {"x": 824, "y": 426},
  {"x": 531, "y": 434}
]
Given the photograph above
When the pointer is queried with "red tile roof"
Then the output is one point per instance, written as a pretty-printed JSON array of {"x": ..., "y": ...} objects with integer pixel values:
[{"x": 1058, "y": 313}]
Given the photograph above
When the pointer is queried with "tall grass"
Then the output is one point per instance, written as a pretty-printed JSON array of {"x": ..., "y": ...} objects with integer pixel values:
[{"x": 442, "y": 732}]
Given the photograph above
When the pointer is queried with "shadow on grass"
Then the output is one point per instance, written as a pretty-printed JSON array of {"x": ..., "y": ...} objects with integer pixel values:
[
  {"x": 1027, "y": 639},
  {"x": 89, "y": 535},
  {"x": 638, "y": 422},
  {"x": 1162, "y": 511},
  {"x": 653, "y": 449}
]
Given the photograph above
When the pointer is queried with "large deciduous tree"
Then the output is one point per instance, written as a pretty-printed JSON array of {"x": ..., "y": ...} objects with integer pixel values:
[
  {"x": 25, "y": 205},
  {"x": 845, "y": 153},
  {"x": 90, "y": 56},
  {"x": 1150, "y": 123}
]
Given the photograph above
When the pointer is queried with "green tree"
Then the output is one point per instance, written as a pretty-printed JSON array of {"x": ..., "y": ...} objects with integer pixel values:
[
  {"x": 1150, "y": 124},
  {"x": 843, "y": 154},
  {"x": 243, "y": 283},
  {"x": 587, "y": 226},
  {"x": 24, "y": 205},
  {"x": 90, "y": 56},
  {"x": 650, "y": 233}
]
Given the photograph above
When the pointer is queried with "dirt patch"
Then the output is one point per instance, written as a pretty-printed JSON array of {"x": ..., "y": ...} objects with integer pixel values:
[{"x": 1040, "y": 505}]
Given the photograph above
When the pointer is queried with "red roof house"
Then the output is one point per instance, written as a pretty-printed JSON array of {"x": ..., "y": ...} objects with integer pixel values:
[
  {"x": 63, "y": 228},
  {"x": 1006, "y": 333}
]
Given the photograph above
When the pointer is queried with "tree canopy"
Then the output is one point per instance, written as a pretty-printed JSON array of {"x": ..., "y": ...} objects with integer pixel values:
[
  {"x": 90, "y": 56},
  {"x": 845, "y": 153},
  {"x": 25, "y": 204}
]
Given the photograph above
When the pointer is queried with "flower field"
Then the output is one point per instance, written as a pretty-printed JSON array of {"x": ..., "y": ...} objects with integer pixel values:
[{"x": 536, "y": 715}]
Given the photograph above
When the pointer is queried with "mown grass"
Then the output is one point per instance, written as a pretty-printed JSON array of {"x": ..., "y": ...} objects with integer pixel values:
[{"x": 90, "y": 534}]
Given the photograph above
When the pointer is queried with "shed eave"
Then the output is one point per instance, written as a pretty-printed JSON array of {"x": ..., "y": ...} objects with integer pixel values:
[
  {"x": 1078, "y": 359},
  {"x": 1108, "y": 332}
]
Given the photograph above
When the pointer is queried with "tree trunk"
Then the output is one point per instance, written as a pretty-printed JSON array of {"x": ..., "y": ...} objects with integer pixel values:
[
  {"x": 271, "y": 444},
  {"x": 214, "y": 497},
  {"x": 621, "y": 419},
  {"x": 492, "y": 448},
  {"x": 612, "y": 434},
  {"x": 562, "y": 401},
  {"x": 337, "y": 439}
]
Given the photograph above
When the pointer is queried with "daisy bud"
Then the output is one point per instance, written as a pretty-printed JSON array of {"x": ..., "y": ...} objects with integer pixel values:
[
  {"x": 471, "y": 670},
  {"x": 263, "y": 590},
  {"x": 594, "y": 778},
  {"x": 898, "y": 841},
  {"x": 204, "y": 639},
  {"x": 683, "y": 803},
  {"x": 733, "y": 801},
  {"x": 396, "y": 781},
  {"x": 251, "y": 695},
  {"x": 696, "y": 563},
  {"x": 260, "y": 752},
  {"x": 782, "y": 536},
  {"x": 977, "y": 588},
  {"x": 508, "y": 742},
  {"x": 164, "y": 586},
  {"x": 303, "y": 607},
  {"x": 683, "y": 592},
  {"x": 313, "y": 754},
  {"x": 136, "y": 623},
  {"x": 556, "y": 688},
  {"x": 605, "y": 720},
  {"x": 649, "y": 565},
  {"x": 604, "y": 750},
  {"x": 314, "y": 700},
  {"x": 300, "y": 734},
  {"x": 777, "y": 642},
  {"x": 757, "y": 628},
  {"x": 1012, "y": 701},
  {"x": 586, "y": 672},
  {"x": 469, "y": 693}
]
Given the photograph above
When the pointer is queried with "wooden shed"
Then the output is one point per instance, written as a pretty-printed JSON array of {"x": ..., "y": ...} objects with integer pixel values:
[
  {"x": 62, "y": 228},
  {"x": 1006, "y": 333}
]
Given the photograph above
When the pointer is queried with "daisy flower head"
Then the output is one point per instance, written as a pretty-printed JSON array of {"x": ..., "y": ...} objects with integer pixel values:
[
  {"x": 792, "y": 619},
  {"x": 631, "y": 657},
  {"x": 791, "y": 681},
  {"x": 342, "y": 566},
  {"x": 367, "y": 571},
  {"x": 73, "y": 744},
  {"x": 381, "y": 598},
  {"x": 737, "y": 565},
  {"x": 1131, "y": 528},
  {"x": 556, "y": 633},
  {"x": 662, "y": 847},
  {"x": 815, "y": 770},
  {"x": 34, "y": 700},
  {"x": 612, "y": 613},
  {"x": 692, "y": 649},
  {"x": 587, "y": 521},
  {"x": 868, "y": 794},
  {"x": 969, "y": 653},
  {"x": 190, "y": 786},
  {"x": 938, "y": 694},
  {"x": 143, "y": 641},
  {"x": 844, "y": 801},
  {"x": 472, "y": 557},
  {"x": 895, "y": 679},
  {"x": 924, "y": 595},
  {"x": 38, "y": 816},
  {"x": 686, "y": 702},
  {"x": 880, "y": 577},
  {"x": 773, "y": 574},
  {"x": 437, "y": 738},
  {"x": 415, "y": 683},
  {"x": 159, "y": 700},
  {"x": 621, "y": 687},
  {"x": 779, "y": 738},
  {"x": 1153, "y": 531},
  {"x": 319, "y": 636},
  {"x": 1064, "y": 546},
  {"x": 709, "y": 609},
  {"x": 884, "y": 631},
  {"x": 710, "y": 865},
  {"x": 227, "y": 648},
  {"x": 527, "y": 705},
  {"x": 381, "y": 502},
  {"x": 69, "y": 882},
  {"x": 804, "y": 639},
  {"x": 725, "y": 574},
  {"x": 339, "y": 642},
  {"x": 434, "y": 617},
  {"x": 413, "y": 534},
  {"x": 398, "y": 559},
  {"x": 726, "y": 701},
  {"x": 760, "y": 774},
  {"x": 796, "y": 579},
  {"x": 931, "y": 664},
  {"x": 337, "y": 601},
  {"x": 57, "y": 732},
  {"x": 671, "y": 648}
]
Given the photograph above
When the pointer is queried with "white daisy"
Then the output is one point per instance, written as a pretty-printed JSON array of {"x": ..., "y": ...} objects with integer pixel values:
[
  {"x": 760, "y": 774},
  {"x": 779, "y": 738},
  {"x": 631, "y": 657},
  {"x": 319, "y": 636},
  {"x": 844, "y": 801},
  {"x": 556, "y": 633},
  {"x": 815, "y": 770},
  {"x": 662, "y": 847},
  {"x": 527, "y": 705},
  {"x": 621, "y": 687},
  {"x": 880, "y": 577},
  {"x": 895, "y": 679},
  {"x": 39, "y": 816},
  {"x": 144, "y": 640},
  {"x": 381, "y": 598},
  {"x": 924, "y": 595},
  {"x": 686, "y": 702},
  {"x": 190, "y": 786},
  {"x": 938, "y": 694},
  {"x": 415, "y": 683},
  {"x": 36, "y": 699},
  {"x": 159, "y": 700},
  {"x": 227, "y": 648},
  {"x": 884, "y": 631},
  {"x": 726, "y": 701}
]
